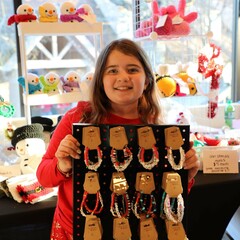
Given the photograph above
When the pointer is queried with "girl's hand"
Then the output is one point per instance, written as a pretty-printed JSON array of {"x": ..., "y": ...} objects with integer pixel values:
[
  {"x": 67, "y": 149},
  {"x": 191, "y": 163}
]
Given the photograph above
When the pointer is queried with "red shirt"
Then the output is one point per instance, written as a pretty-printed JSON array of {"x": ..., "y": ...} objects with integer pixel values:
[{"x": 47, "y": 172}]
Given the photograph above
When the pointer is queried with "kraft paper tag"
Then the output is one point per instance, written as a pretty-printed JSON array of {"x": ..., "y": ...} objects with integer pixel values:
[
  {"x": 148, "y": 229},
  {"x": 145, "y": 182},
  {"x": 175, "y": 231},
  {"x": 146, "y": 137},
  {"x": 121, "y": 229},
  {"x": 119, "y": 183},
  {"x": 173, "y": 137},
  {"x": 91, "y": 183},
  {"x": 91, "y": 137},
  {"x": 172, "y": 184},
  {"x": 118, "y": 137},
  {"x": 93, "y": 228}
]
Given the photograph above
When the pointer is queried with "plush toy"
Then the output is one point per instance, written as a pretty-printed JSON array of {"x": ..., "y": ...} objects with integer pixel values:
[
  {"x": 160, "y": 25},
  {"x": 47, "y": 12},
  {"x": 85, "y": 84},
  {"x": 50, "y": 83},
  {"x": 161, "y": 20},
  {"x": 25, "y": 13},
  {"x": 68, "y": 12},
  {"x": 165, "y": 83},
  {"x": 180, "y": 23},
  {"x": 34, "y": 85},
  {"x": 86, "y": 12},
  {"x": 70, "y": 82},
  {"x": 182, "y": 119},
  {"x": 185, "y": 83},
  {"x": 29, "y": 144}
]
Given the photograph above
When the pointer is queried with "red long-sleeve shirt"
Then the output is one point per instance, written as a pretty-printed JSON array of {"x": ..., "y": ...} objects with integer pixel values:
[{"x": 47, "y": 172}]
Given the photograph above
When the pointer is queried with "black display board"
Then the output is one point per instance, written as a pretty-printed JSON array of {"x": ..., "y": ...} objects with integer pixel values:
[{"x": 105, "y": 173}]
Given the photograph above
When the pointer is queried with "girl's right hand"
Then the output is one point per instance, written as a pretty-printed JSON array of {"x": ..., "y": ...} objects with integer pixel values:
[{"x": 67, "y": 149}]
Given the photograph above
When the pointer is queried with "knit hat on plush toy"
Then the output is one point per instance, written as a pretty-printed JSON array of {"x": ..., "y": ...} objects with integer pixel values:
[{"x": 28, "y": 131}]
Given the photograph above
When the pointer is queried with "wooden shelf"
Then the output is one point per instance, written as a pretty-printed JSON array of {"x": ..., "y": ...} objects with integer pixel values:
[
  {"x": 59, "y": 28},
  {"x": 44, "y": 99}
]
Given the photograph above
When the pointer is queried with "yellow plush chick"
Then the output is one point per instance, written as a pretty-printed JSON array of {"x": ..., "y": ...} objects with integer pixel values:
[
  {"x": 47, "y": 12},
  {"x": 165, "y": 83},
  {"x": 182, "y": 74}
]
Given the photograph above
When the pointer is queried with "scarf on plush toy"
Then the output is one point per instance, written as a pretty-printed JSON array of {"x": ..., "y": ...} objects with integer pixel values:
[
  {"x": 21, "y": 18},
  {"x": 71, "y": 17}
]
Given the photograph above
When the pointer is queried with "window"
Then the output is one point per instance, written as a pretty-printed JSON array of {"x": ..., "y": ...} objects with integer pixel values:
[{"x": 220, "y": 17}]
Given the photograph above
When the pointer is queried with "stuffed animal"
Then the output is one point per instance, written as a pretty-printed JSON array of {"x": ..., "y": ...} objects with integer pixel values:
[
  {"x": 29, "y": 144},
  {"x": 86, "y": 12},
  {"x": 182, "y": 119},
  {"x": 34, "y": 85},
  {"x": 47, "y": 12},
  {"x": 50, "y": 83},
  {"x": 85, "y": 84},
  {"x": 68, "y": 12},
  {"x": 24, "y": 13},
  {"x": 184, "y": 80},
  {"x": 165, "y": 83},
  {"x": 70, "y": 82},
  {"x": 162, "y": 22},
  {"x": 180, "y": 21}
]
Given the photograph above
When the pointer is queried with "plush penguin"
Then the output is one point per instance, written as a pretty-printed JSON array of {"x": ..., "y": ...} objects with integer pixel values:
[
  {"x": 47, "y": 12},
  {"x": 34, "y": 85},
  {"x": 24, "y": 13},
  {"x": 50, "y": 83},
  {"x": 68, "y": 12},
  {"x": 70, "y": 82}
]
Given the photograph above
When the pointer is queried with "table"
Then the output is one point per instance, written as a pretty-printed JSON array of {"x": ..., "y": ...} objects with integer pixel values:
[
  {"x": 212, "y": 202},
  {"x": 20, "y": 221}
]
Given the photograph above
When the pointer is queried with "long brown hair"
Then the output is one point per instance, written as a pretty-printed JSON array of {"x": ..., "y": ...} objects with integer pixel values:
[{"x": 148, "y": 108}]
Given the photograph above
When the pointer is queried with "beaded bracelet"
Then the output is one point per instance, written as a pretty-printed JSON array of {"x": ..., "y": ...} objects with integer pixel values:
[
  {"x": 98, "y": 205},
  {"x": 90, "y": 164},
  {"x": 172, "y": 161},
  {"x": 66, "y": 174},
  {"x": 153, "y": 161},
  {"x": 127, "y": 155}
]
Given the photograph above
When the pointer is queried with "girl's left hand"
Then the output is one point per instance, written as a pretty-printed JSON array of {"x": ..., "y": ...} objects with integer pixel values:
[{"x": 191, "y": 163}]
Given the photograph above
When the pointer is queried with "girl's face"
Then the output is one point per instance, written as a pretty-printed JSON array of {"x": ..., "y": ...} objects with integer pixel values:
[{"x": 124, "y": 79}]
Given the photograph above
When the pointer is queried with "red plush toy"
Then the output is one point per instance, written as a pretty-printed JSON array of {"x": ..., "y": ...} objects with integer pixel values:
[
  {"x": 24, "y": 14},
  {"x": 179, "y": 21}
]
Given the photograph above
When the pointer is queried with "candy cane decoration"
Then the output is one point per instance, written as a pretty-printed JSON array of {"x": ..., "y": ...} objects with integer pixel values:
[{"x": 208, "y": 67}]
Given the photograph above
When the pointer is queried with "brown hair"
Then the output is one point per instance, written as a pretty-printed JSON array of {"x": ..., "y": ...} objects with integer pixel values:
[{"x": 100, "y": 105}]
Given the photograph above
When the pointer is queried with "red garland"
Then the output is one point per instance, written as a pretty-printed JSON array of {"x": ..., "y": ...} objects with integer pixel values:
[{"x": 208, "y": 68}]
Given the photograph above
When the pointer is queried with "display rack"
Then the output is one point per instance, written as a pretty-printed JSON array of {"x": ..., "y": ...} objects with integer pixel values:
[
  {"x": 168, "y": 48},
  {"x": 53, "y": 29},
  {"x": 106, "y": 170}
]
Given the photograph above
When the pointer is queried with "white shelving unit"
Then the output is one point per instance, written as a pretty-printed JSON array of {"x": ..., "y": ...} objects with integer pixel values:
[{"x": 53, "y": 29}]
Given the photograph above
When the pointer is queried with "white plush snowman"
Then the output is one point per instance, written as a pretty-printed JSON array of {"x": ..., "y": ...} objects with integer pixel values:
[
  {"x": 30, "y": 146},
  {"x": 50, "y": 83},
  {"x": 71, "y": 82}
]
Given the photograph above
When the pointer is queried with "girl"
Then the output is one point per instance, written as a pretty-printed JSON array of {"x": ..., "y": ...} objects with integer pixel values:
[{"x": 123, "y": 92}]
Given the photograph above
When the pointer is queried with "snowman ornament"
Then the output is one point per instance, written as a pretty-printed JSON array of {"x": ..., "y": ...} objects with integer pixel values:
[{"x": 30, "y": 146}]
